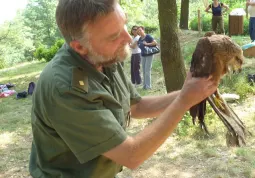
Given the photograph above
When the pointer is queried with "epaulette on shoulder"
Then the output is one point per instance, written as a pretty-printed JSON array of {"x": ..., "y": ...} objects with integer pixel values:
[{"x": 80, "y": 80}]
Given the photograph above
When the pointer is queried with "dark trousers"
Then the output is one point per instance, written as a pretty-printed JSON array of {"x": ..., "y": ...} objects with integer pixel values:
[
  {"x": 135, "y": 68},
  {"x": 217, "y": 21},
  {"x": 252, "y": 28}
]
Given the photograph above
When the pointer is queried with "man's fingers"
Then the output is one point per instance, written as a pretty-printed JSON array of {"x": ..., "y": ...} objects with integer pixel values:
[{"x": 213, "y": 87}]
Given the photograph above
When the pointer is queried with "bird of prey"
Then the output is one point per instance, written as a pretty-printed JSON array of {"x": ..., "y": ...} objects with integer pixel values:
[{"x": 216, "y": 55}]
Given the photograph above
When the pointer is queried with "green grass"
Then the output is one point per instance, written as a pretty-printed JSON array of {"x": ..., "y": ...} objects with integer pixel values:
[{"x": 15, "y": 127}]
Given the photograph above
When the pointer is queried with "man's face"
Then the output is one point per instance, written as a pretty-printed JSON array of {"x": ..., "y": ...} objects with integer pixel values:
[{"x": 108, "y": 38}]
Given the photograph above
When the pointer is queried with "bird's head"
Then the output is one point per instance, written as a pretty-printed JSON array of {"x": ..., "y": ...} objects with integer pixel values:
[
  {"x": 235, "y": 64},
  {"x": 228, "y": 54},
  {"x": 216, "y": 55}
]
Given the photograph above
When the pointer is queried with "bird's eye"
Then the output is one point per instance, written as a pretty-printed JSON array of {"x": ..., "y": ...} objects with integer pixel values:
[{"x": 239, "y": 60}]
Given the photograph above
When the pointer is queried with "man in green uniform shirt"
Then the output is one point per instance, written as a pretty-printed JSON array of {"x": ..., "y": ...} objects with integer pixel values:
[{"x": 83, "y": 99}]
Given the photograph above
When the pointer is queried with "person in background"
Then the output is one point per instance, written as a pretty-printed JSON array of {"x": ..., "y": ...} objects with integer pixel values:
[
  {"x": 217, "y": 16},
  {"x": 250, "y": 9},
  {"x": 83, "y": 100},
  {"x": 135, "y": 57},
  {"x": 146, "y": 40}
]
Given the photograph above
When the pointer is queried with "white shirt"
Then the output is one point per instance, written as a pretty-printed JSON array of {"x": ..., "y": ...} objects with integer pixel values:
[
  {"x": 251, "y": 9},
  {"x": 136, "y": 49}
]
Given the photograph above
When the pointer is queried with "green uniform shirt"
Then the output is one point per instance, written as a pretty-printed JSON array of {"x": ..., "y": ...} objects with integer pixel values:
[{"x": 78, "y": 113}]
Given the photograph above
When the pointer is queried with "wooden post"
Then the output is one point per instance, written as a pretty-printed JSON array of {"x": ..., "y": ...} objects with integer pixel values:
[{"x": 199, "y": 21}]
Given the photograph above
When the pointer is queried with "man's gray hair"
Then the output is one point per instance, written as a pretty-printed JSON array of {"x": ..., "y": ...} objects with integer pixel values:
[{"x": 73, "y": 15}]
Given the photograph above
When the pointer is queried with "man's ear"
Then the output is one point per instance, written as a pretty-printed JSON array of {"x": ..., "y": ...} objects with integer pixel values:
[{"x": 79, "y": 48}]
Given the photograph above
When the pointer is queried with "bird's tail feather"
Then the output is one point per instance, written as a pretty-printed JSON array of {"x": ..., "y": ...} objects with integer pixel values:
[{"x": 235, "y": 126}]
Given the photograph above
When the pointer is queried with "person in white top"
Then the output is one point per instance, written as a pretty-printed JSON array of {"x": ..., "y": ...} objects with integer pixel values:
[
  {"x": 135, "y": 58},
  {"x": 250, "y": 8}
]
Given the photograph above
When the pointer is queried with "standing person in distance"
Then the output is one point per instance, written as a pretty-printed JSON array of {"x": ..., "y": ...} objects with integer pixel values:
[
  {"x": 135, "y": 57},
  {"x": 217, "y": 16},
  {"x": 146, "y": 40},
  {"x": 250, "y": 10}
]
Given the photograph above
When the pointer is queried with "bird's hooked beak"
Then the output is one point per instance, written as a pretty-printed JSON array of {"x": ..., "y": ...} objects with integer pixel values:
[{"x": 235, "y": 64}]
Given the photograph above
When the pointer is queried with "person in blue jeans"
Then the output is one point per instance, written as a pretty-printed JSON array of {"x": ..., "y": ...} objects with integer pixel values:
[
  {"x": 250, "y": 7},
  {"x": 146, "y": 40}
]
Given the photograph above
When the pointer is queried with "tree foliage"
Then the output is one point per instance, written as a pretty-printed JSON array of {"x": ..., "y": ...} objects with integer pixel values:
[
  {"x": 35, "y": 27},
  {"x": 142, "y": 14},
  {"x": 39, "y": 16},
  {"x": 15, "y": 42}
]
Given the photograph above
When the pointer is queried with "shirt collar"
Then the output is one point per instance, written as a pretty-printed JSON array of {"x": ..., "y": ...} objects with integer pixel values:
[{"x": 83, "y": 63}]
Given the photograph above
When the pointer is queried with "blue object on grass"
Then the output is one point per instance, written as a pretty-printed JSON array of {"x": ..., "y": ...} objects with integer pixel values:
[{"x": 247, "y": 46}]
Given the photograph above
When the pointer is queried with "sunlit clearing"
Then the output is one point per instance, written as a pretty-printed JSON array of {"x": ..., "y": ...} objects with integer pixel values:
[
  {"x": 5, "y": 139},
  {"x": 20, "y": 65},
  {"x": 20, "y": 76}
]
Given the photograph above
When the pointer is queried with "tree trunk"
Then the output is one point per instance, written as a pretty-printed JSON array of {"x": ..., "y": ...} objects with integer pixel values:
[
  {"x": 172, "y": 61},
  {"x": 184, "y": 20}
]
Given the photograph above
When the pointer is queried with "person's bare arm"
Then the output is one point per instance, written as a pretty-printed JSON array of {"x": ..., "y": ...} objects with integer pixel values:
[
  {"x": 133, "y": 45},
  {"x": 226, "y": 7},
  {"x": 207, "y": 9},
  {"x": 153, "y": 43},
  {"x": 135, "y": 150},
  {"x": 152, "y": 106}
]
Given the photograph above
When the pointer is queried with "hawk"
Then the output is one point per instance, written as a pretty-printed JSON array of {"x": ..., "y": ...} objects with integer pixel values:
[{"x": 216, "y": 55}]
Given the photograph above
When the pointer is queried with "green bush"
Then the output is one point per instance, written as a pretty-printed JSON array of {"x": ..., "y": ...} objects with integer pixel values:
[
  {"x": 59, "y": 43},
  {"x": 40, "y": 53},
  {"x": 246, "y": 26},
  {"x": 205, "y": 25},
  {"x": 238, "y": 84},
  {"x": 47, "y": 54}
]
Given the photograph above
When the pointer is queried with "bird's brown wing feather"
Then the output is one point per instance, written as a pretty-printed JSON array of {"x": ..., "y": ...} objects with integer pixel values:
[
  {"x": 201, "y": 66},
  {"x": 202, "y": 59}
]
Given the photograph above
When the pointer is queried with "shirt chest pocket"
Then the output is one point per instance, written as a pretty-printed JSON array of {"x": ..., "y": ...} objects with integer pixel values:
[{"x": 123, "y": 114}]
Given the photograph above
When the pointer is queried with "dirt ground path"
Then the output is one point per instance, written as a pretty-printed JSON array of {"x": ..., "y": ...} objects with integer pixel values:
[{"x": 171, "y": 161}]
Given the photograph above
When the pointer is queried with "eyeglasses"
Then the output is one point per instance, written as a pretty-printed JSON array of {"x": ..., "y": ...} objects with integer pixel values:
[{"x": 134, "y": 29}]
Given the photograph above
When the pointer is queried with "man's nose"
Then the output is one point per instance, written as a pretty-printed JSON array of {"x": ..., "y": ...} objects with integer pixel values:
[{"x": 127, "y": 37}]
